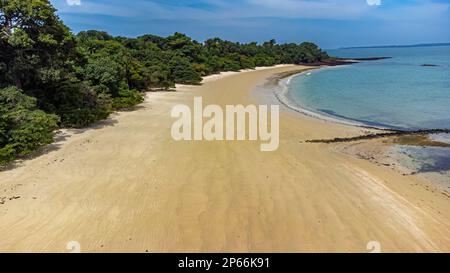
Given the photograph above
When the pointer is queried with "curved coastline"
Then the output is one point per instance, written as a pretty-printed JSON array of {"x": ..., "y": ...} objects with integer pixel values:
[
  {"x": 296, "y": 186},
  {"x": 281, "y": 94}
]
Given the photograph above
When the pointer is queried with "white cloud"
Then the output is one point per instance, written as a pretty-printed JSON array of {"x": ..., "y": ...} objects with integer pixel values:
[
  {"x": 92, "y": 8},
  {"x": 220, "y": 9},
  {"x": 374, "y": 2},
  {"x": 73, "y": 2},
  {"x": 319, "y": 9},
  {"x": 226, "y": 10}
]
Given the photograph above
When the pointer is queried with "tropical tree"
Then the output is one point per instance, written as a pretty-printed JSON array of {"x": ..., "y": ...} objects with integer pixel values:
[{"x": 23, "y": 127}]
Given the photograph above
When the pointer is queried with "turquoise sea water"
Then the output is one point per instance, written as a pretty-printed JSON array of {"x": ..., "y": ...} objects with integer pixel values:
[{"x": 396, "y": 93}]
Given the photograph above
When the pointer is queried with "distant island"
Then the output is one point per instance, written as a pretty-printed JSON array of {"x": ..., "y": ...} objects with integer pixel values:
[{"x": 399, "y": 46}]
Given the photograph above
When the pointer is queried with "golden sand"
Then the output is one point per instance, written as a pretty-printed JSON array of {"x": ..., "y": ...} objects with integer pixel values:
[{"x": 126, "y": 186}]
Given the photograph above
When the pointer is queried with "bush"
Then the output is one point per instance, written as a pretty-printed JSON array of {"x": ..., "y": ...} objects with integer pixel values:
[
  {"x": 23, "y": 127},
  {"x": 79, "y": 104},
  {"x": 127, "y": 98},
  {"x": 182, "y": 71}
]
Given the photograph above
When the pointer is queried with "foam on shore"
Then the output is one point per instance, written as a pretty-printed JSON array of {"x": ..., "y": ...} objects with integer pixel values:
[{"x": 281, "y": 95}]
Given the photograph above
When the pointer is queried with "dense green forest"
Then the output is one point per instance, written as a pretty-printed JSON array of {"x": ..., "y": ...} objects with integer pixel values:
[{"x": 51, "y": 78}]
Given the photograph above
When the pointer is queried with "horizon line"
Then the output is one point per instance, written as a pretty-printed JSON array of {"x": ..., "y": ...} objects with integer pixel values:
[{"x": 398, "y": 46}]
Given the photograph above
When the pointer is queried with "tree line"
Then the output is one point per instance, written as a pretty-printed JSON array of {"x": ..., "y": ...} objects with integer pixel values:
[{"x": 51, "y": 78}]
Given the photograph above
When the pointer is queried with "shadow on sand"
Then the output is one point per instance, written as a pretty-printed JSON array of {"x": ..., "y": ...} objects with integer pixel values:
[
  {"x": 161, "y": 90},
  {"x": 60, "y": 138}
]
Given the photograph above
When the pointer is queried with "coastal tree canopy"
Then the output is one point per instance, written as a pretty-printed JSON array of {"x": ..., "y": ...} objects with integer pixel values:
[{"x": 50, "y": 77}]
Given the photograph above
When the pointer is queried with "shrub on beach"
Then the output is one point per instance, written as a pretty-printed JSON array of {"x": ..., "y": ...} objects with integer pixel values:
[
  {"x": 79, "y": 104},
  {"x": 23, "y": 127},
  {"x": 127, "y": 98}
]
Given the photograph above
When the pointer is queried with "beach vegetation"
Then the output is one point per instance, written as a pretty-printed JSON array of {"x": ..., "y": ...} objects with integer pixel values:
[
  {"x": 75, "y": 80},
  {"x": 23, "y": 127}
]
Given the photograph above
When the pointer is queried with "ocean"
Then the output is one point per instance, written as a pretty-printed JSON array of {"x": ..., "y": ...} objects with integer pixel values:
[{"x": 398, "y": 93}]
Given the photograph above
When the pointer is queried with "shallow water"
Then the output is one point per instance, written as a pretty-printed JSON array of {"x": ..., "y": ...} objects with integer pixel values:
[
  {"x": 396, "y": 93},
  {"x": 441, "y": 138},
  {"x": 427, "y": 159}
]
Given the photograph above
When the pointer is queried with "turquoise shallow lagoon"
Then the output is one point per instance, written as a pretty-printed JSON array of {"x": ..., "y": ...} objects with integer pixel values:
[{"x": 396, "y": 93}]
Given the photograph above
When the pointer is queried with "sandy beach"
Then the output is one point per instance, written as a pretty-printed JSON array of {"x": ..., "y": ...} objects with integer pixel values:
[{"x": 125, "y": 185}]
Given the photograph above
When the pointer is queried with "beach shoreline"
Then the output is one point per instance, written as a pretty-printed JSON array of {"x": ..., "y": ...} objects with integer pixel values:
[
  {"x": 280, "y": 89},
  {"x": 389, "y": 152},
  {"x": 127, "y": 186}
]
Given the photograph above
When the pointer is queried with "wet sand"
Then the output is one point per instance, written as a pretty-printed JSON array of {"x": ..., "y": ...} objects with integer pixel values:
[{"x": 126, "y": 186}]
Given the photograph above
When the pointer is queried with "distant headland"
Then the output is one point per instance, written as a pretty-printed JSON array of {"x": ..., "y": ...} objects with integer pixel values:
[{"x": 399, "y": 46}]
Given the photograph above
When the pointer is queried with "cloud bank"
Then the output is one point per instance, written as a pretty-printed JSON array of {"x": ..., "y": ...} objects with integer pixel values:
[
  {"x": 330, "y": 21},
  {"x": 73, "y": 2}
]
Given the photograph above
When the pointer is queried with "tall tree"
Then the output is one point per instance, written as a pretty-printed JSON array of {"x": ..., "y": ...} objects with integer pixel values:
[{"x": 37, "y": 47}]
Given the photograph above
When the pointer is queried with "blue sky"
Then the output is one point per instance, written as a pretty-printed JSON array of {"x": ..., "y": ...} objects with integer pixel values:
[{"x": 330, "y": 23}]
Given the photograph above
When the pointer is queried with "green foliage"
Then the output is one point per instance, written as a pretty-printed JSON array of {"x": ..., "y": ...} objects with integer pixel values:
[
  {"x": 33, "y": 40},
  {"x": 40, "y": 56},
  {"x": 182, "y": 71},
  {"x": 79, "y": 104},
  {"x": 105, "y": 72},
  {"x": 127, "y": 98},
  {"x": 74, "y": 81},
  {"x": 23, "y": 127}
]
